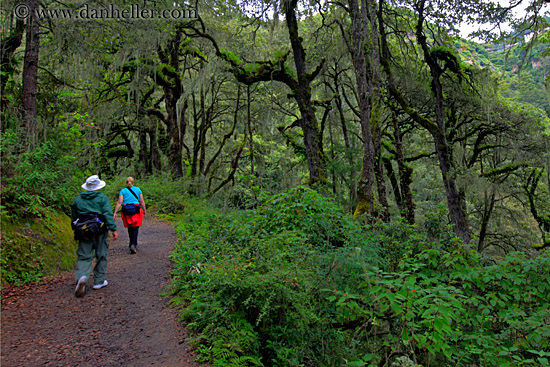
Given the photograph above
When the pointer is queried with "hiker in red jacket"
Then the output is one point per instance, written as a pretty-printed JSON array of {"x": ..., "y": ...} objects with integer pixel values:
[{"x": 133, "y": 211}]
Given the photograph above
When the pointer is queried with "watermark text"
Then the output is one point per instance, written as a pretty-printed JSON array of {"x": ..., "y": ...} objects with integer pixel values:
[{"x": 107, "y": 12}]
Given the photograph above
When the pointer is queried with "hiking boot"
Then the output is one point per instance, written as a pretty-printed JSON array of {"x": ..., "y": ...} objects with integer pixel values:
[
  {"x": 99, "y": 286},
  {"x": 133, "y": 249},
  {"x": 80, "y": 289}
]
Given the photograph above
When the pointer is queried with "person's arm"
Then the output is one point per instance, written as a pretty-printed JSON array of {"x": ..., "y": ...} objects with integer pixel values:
[
  {"x": 118, "y": 205},
  {"x": 74, "y": 212},
  {"x": 142, "y": 204}
]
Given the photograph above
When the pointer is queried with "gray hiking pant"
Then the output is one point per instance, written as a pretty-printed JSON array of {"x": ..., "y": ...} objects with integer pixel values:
[{"x": 85, "y": 256}]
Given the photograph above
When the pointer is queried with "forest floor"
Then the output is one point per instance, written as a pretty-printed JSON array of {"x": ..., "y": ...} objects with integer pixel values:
[{"x": 127, "y": 323}]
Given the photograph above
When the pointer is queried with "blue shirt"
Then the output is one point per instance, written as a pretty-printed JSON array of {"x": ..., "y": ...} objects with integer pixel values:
[{"x": 128, "y": 197}]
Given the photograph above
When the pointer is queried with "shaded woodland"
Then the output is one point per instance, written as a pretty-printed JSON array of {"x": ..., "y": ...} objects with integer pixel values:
[
  {"x": 380, "y": 108},
  {"x": 371, "y": 103}
]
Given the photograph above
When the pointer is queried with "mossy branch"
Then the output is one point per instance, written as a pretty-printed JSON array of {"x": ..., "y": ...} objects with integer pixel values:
[
  {"x": 414, "y": 114},
  {"x": 504, "y": 169}
]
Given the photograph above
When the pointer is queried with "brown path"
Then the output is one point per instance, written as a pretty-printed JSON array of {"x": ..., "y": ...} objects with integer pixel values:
[{"x": 126, "y": 323}]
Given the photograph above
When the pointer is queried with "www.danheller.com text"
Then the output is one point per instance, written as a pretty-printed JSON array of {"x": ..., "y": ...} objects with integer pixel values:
[{"x": 111, "y": 11}]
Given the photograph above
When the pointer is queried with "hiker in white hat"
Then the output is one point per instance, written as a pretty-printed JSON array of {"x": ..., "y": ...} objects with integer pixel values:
[{"x": 92, "y": 218}]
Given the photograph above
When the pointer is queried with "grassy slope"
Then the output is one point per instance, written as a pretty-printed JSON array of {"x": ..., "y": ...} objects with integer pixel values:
[{"x": 37, "y": 247}]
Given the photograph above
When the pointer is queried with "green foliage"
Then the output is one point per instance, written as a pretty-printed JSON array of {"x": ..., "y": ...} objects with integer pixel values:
[
  {"x": 35, "y": 247},
  {"x": 297, "y": 282},
  {"x": 251, "y": 281},
  {"x": 44, "y": 177},
  {"x": 447, "y": 308},
  {"x": 448, "y": 56},
  {"x": 166, "y": 72},
  {"x": 301, "y": 209},
  {"x": 233, "y": 58}
]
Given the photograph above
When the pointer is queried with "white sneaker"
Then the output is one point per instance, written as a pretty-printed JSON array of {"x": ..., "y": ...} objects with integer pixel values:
[
  {"x": 98, "y": 286},
  {"x": 81, "y": 286}
]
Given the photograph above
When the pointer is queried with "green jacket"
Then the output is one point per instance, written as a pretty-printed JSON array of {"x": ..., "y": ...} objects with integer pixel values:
[{"x": 93, "y": 201}]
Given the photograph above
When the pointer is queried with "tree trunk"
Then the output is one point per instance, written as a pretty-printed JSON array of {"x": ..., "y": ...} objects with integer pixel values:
[
  {"x": 8, "y": 45},
  {"x": 312, "y": 137},
  {"x": 456, "y": 212},
  {"x": 394, "y": 184},
  {"x": 487, "y": 211},
  {"x": 154, "y": 149},
  {"x": 250, "y": 131},
  {"x": 30, "y": 74},
  {"x": 196, "y": 140},
  {"x": 143, "y": 154},
  {"x": 347, "y": 143},
  {"x": 365, "y": 199},
  {"x": 369, "y": 17},
  {"x": 379, "y": 174},
  {"x": 405, "y": 174},
  {"x": 183, "y": 125},
  {"x": 169, "y": 78},
  {"x": 205, "y": 123},
  {"x": 175, "y": 148}
]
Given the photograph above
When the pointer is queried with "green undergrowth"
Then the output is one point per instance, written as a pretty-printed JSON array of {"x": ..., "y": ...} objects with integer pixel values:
[
  {"x": 297, "y": 282},
  {"x": 33, "y": 248},
  {"x": 45, "y": 178}
]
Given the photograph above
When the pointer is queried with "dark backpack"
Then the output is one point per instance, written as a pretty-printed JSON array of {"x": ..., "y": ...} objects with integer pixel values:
[
  {"x": 89, "y": 225},
  {"x": 131, "y": 209}
]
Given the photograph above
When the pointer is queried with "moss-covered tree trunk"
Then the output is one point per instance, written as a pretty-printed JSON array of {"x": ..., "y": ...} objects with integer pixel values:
[
  {"x": 442, "y": 148},
  {"x": 365, "y": 198},
  {"x": 347, "y": 142},
  {"x": 8, "y": 45},
  {"x": 143, "y": 153},
  {"x": 154, "y": 149},
  {"x": 405, "y": 174},
  {"x": 30, "y": 74},
  {"x": 169, "y": 78},
  {"x": 369, "y": 17},
  {"x": 308, "y": 123}
]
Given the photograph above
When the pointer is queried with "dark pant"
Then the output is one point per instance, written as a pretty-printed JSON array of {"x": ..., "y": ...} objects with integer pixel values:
[{"x": 133, "y": 234}]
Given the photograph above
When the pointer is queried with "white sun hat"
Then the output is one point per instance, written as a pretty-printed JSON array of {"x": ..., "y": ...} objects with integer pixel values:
[{"x": 93, "y": 183}]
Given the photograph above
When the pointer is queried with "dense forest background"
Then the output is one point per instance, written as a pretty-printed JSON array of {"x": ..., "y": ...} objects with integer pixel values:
[{"x": 362, "y": 147}]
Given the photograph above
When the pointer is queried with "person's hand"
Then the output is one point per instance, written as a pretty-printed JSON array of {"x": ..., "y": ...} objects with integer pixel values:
[
  {"x": 114, "y": 216},
  {"x": 115, "y": 235}
]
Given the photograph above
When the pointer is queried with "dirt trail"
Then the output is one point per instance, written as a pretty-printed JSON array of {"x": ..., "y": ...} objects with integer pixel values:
[{"x": 126, "y": 323}]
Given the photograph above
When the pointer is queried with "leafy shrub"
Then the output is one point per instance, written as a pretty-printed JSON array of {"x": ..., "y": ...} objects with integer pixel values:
[
  {"x": 43, "y": 177},
  {"x": 296, "y": 282},
  {"x": 445, "y": 308},
  {"x": 323, "y": 222},
  {"x": 263, "y": 270}
]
